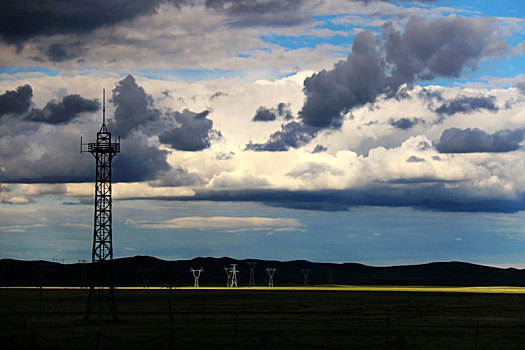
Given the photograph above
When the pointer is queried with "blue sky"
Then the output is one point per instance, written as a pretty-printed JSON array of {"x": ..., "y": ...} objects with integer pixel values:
[{"x": 378, "y": 132}]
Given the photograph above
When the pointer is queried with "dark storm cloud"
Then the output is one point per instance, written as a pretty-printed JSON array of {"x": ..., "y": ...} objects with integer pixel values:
[
  {"x": 283, "y": 111},
  {"x": 426, "y": 196},
  {"x": 134, "y": 109},
  {"x": 291, "y": 135},
  {"x": 261, "y": 12},
  {"x": 254, "y": 6},
  {"x": 21, "y": 20},
  {"x": 56, "y": 159},
  {"x": 271, "y": 12},
  {"x": 62, "y": 52},
  {"x": 350, "y": 83},
  {"x": 16, "y": 101},
  {"x": 264, "y": 114},
  {"x": 193, "y": 133},
  {"x": 405, "y": 123},
  {"x": 427, "y": 49},
  {"x": 475, "y": 140},
  {"x": 176, "y": 177},
  {"x": 64, "y": 111},
  {"x": 430, "y": 95},
  {"x": 444, "y": 47},
  {"x": 138, "y": 160},
  {"x": 466, "y": 104}
]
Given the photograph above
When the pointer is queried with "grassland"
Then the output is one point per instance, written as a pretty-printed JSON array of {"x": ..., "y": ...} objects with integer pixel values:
[{"x": 338, "y": 317}]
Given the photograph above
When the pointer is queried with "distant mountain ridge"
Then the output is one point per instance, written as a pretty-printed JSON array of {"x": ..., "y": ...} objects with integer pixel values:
[{"x": 150, "y": 271}]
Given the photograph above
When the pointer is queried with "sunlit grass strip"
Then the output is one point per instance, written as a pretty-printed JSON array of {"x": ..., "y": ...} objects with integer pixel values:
[{"x": 339, "y": 288}]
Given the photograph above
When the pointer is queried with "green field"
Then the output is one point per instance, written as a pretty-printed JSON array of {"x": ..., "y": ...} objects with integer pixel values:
[{"x": 338, "y": 317}]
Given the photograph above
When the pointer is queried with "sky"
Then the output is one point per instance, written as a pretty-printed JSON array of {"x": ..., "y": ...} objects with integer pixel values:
[{"x": 370, "y": 131}]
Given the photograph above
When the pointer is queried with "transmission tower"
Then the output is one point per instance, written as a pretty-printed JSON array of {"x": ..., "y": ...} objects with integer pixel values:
[
  {"x": 229, "y": 275},
  {"x": 306, "y": 272},
  {"x": 145, "y": 273},
  {"x": 270, "y": 273},
  {"x": 330, "y": 277},
  {"x": 252, "y": 273},
  {"x": 101, "y": 288},
  {"x": 234, "y": 273},
  {"x": 196, "y": 275},
  {"x": 231, "y": 272}
]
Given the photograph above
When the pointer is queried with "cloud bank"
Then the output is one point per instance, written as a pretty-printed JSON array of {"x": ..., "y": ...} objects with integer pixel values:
[
  {"x": 427, "y": 49},
  {"x": 455, "y": 140}
]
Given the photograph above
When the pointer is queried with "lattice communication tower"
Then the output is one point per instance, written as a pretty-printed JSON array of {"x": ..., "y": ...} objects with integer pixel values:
[{"x": 102, "y": 288}]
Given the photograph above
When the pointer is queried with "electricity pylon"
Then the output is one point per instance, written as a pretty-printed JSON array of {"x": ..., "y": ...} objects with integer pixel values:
[
  {"x": 145, "y": 273},
  {"x": 101, "y": 288},
  {"x": 330, "y": 277},
  {"x": 270, "y": 273},
  {"x": 229, "y": 275},
  {"x": 196, "y": 275},
  {"x": 306, "y": 272},
  {"x": 231, "y": 272},
  {"x": 252, "y": 273}
]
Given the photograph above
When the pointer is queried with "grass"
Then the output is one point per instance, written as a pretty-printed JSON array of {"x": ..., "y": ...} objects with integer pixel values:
[
  {"x": 332, "y": 288},
  {"x": 337, "y": 317}
]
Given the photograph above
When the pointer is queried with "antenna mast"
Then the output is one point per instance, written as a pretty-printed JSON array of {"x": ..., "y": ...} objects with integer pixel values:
[
  {"x": 103, "y": 106},
  {"x": 102, "y": 288}
]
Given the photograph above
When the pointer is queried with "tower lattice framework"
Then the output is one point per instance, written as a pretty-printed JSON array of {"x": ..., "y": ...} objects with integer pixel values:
[
  {"x": 102, "y": 288},
  {"x": 252, "y": 264}
]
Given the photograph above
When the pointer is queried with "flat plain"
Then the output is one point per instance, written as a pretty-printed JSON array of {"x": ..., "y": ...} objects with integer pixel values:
[{"x": 263, "y": 318}]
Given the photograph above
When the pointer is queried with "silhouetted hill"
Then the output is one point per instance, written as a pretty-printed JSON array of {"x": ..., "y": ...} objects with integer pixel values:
[{"x": 145, "y": 270}]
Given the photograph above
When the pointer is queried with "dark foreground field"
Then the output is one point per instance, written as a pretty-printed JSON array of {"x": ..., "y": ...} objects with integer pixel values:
[{"x": 265, "y": 319}]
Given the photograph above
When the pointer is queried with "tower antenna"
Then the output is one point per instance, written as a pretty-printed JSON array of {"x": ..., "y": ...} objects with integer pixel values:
[
  {"x": 101, "y": 286},
  {"x": 103, "y": 106}
]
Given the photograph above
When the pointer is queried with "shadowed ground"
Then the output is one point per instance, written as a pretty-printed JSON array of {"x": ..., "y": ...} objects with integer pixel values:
[{"x": 265, "y": 319}]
